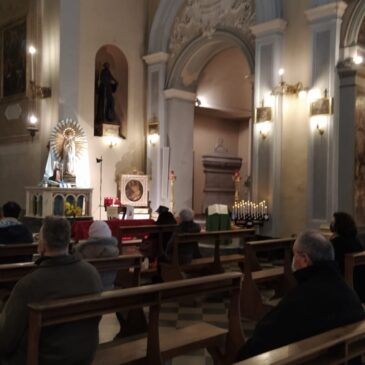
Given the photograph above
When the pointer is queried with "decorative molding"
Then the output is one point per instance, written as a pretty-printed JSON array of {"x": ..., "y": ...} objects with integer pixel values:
[
  {"x": 272, "y": 26},
  {"x": 326, "y": 11},
  {"x": 158, "y": 57},
  {"x": 179, "y": 94},
  {"x": 203, "y": 18}
]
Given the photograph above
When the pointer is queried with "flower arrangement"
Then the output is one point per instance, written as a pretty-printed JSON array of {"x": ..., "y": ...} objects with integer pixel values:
[{"x": 72, "y": 210}]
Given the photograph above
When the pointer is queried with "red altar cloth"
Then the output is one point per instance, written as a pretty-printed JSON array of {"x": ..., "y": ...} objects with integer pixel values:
[{"x": 80, "y": 229}]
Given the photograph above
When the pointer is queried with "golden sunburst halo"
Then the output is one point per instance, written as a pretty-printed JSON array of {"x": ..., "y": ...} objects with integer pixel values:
[{"x": 67, "y": 128}]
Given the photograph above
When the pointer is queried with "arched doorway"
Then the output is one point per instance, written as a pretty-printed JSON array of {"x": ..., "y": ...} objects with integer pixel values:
[
  {"x": 184, "y": 43},
  {"x": 222, "y": 127}
]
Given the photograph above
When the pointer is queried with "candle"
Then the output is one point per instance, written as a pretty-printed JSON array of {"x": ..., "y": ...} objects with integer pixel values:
[{"x": 32, "y": 52}]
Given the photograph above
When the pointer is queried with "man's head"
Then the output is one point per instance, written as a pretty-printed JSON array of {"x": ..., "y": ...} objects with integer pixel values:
[
  {"x": 311, "y": 247},
  {"x": 54, "y": 238},
  {"x": 186, "y": 215},
  {"x": 11, "y": 209}
]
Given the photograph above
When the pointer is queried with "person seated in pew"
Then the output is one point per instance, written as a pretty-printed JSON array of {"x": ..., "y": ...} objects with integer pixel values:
[
  {"x": 59, "y": 275},
  {"x": 187, "y": 251},
  {"x": 320, "y": 302},
  {"x": 344, "y": 241},
  {"x": 11, "y": 229},
  {"x": 149, "y": 247},
  {"x": 100, "y": 244}
]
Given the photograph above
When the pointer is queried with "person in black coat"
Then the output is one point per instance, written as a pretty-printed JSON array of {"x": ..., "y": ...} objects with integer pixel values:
[
  {"x": 320, "y": 302},
  {"x": 344, "y": 241},
  {"x": 187, "y": 251}
]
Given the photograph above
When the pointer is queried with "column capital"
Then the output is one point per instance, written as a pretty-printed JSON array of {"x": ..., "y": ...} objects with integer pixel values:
[
  {"x": 332, "y": 10},
  {"x": 273, "y": 26},
  {"x": 179, "y": 94},
  {"x": 158, "y": 57}
]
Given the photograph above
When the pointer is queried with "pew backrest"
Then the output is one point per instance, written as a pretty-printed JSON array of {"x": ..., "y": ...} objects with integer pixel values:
[
  {"x": 353, "y": 260},
  {"x": 18, "y": 249},
  {"x": 212, "y": 237},
  {"x": 89, "y": 306},
  {"x": 10, "y": 273},
  {"x": 336, "y": 346}
]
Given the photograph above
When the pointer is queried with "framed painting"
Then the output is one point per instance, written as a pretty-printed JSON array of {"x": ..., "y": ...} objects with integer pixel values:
[
  {"x": 263, "y": 114},
  {"x": 321, "y": 106},
  {"x": 134, "y": 190},
  {"x": 13, "y": 59}
]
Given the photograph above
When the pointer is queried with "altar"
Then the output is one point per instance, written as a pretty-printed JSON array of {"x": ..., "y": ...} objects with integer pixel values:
[{"x": 57, "y": 201}]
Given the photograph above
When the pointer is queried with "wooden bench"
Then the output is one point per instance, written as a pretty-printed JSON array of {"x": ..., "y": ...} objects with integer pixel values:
[
  {"x": 9, "y": 251},
  {"x": 11, "y": 273},
  {"x": 353, "y": 260},
  {"x": 159, "y": 345},
  {"x": 336, "y": 346},
  {"x": 252, "y": 305},
  {"x": 210, "y": 265},
  {"x": 140, "y": 232}
]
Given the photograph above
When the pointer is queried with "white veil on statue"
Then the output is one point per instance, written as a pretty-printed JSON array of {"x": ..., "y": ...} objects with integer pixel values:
[{"x": 68, "y": 148}]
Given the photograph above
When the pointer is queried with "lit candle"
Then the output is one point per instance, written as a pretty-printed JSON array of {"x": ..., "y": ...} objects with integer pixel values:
[{"x": 32, "y": 52}]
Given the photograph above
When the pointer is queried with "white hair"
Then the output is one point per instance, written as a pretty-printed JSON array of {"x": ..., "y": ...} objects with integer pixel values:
[
  {"x": 186, "y": 215},
  {"x": 315, "y": 245}
]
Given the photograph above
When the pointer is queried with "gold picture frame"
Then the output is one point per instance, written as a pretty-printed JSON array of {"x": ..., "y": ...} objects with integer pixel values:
[
  {"x": 263, "y": 114},
  {"x": 134, "y": 190},
  {"x": 321, "y": 106}
]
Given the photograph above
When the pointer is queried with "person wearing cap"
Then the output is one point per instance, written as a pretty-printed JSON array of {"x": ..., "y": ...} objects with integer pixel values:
[{"x": 99, "y": 245}]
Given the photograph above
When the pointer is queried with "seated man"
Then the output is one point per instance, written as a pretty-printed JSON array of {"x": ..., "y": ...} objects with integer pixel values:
[
  {"x": 59, "y": 275},
  {"x": 11, "y": 230},
  {"x": 321, "y": 301}
]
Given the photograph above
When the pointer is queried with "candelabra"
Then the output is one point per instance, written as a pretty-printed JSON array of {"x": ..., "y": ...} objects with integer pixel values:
[{"x": 248, "y": 213}]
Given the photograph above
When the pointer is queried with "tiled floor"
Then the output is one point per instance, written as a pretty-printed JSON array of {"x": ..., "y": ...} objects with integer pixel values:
[{"x": 213, "y": 311}]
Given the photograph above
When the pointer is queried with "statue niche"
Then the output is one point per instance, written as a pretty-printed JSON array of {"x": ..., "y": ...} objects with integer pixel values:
[{"x": 111, "y": 92}]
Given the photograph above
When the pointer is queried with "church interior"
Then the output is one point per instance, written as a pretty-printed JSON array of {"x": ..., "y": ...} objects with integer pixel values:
[{"x": 250, "y": 113}]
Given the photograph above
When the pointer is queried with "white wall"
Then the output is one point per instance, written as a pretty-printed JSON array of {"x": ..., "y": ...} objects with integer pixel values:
[{"x": 121, "y": 23}]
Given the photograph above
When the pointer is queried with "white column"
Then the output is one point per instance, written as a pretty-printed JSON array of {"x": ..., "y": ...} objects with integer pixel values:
[
  {"x": 157, "y": 154},
  {"x": 180, "y": 133},
  {"x": 323, "y": 158},
  {"x": 267, "y": 152}
]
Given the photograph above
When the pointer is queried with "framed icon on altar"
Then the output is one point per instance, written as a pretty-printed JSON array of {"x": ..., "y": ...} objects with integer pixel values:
[{"x": 134, "y": 190}]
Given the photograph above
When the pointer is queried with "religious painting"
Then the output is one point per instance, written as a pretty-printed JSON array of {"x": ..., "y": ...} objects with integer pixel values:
[
  {"x": 134, "y": 190},
  {"x": 263, "y": 114},
  {"x": 111, "y": 90},
  {"x": 13, "y": 59},
  {"x": 321, "y": 107}
]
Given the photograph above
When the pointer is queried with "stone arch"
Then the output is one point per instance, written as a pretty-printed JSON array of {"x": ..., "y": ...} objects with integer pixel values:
[
  {"x": 196, "y": 55},
  {"x": 352, "y": 21}
]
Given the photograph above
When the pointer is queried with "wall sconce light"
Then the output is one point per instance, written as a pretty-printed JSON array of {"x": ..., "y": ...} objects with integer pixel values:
[
  {"x": 286, "y": 89},
  {"x": 112, "y": 141},
  {"x": 263, "y": 119},
  {"x": 198, "y": 102},
  {"x": 32, "y": 124},
  {"x": 36, "y": 91},
  {"x": 111, "y": 134},
  {"x": 153, "y": 131}
]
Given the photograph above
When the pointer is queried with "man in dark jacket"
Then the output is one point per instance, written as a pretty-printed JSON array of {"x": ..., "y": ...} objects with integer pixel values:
[
  {"x": 321, "y": 301},
  {"x": 59, "y": 275},
  {"x": 11, "y": 230}
]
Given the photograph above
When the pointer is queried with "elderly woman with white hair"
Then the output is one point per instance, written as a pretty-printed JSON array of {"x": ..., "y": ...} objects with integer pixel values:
[
  {"x": 100, "y": 244},
  {"x": 188, "y": 251}
]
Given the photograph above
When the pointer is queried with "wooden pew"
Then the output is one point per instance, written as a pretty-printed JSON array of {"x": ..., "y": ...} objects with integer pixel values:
[
  {"x": 142, "y": 231},
  {"x": 252, "y": 305},
  {"x": 159, "y": 345},
  {"x": 210, "y": 265},
  {"x": 353, "y": 260},
  {"x": 8, "y": 251},
  {"x": 11, "y": 273},
  {"x": 336, "y": 346}
]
